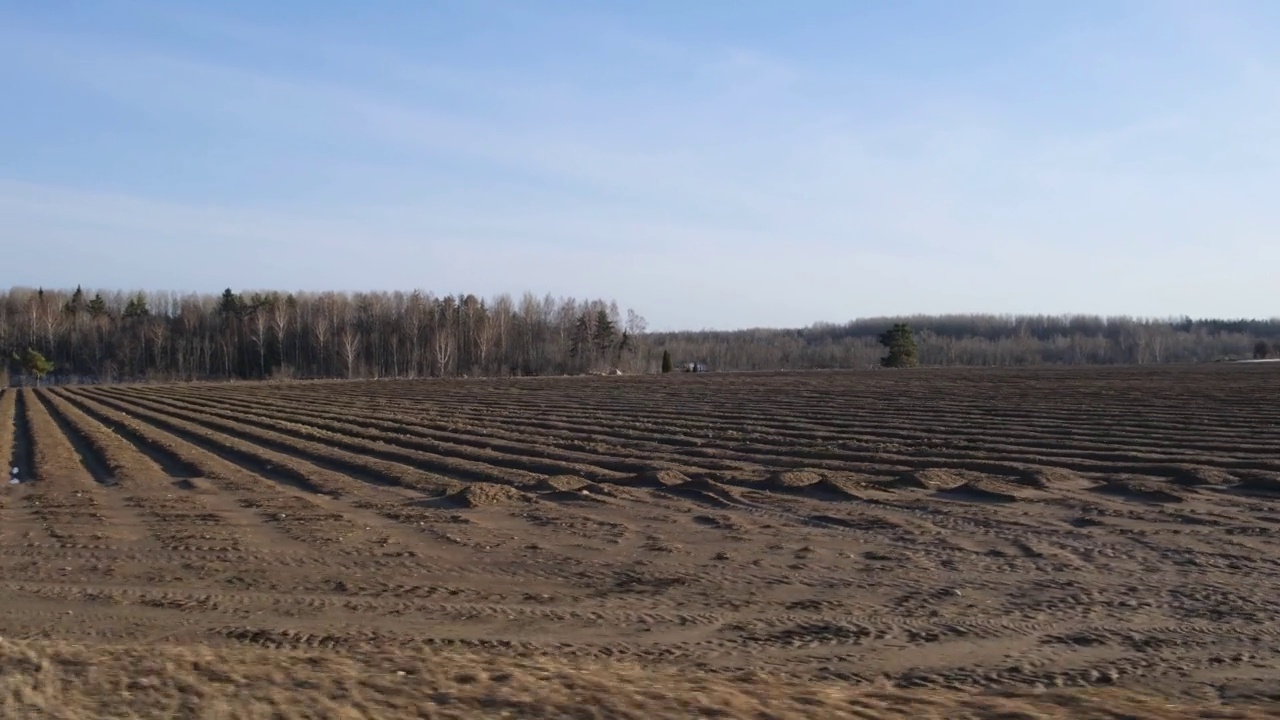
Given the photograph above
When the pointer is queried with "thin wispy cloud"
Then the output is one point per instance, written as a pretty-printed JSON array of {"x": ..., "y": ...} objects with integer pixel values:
[{"x": 706, "y": 174}]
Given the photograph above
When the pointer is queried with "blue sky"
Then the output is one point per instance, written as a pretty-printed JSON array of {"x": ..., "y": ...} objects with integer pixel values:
[{"x": 711, "y": 164}]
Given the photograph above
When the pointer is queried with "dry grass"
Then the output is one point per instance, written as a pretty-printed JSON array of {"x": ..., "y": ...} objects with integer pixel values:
[{"x": 55, "y": 680}]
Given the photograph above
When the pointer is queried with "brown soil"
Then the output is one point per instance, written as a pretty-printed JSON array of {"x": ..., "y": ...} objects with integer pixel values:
[
  {"x": 43, "y": 680},
  {"x": 564, "y": 483},
  {"x": 1041, "y": 543},
  {"x": 482, "y": 494},
  {"x": 792, "y": 479},
  {"x": 659, "y": 479}
]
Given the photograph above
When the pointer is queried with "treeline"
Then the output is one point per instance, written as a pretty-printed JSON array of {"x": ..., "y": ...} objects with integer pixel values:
[
  {"x": 117, "y": 336},
  {"x": 982, "y": 340}
]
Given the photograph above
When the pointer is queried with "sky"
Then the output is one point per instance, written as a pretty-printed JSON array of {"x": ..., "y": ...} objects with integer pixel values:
[{"x": 711, "y": 164}]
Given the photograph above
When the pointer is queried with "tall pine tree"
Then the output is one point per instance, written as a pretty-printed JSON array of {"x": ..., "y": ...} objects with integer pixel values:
[{"x": 901, "y": 343}]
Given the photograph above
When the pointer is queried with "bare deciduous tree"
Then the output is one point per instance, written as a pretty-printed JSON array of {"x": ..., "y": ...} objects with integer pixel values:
[{"x": 104, "y": 335}]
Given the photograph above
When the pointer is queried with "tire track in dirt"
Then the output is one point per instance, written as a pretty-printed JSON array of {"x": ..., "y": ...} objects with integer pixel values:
[
  {"x": 284, "y": 552},
  {"x": 713, "y": 657},
  {"x": 397, "y": 615}
]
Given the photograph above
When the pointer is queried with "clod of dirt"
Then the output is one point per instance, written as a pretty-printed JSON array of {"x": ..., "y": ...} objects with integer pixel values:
[
  {"x": 832, "y": 489},
  {"x": 482, "y": 494},
  {"x": 792, "y": 479},
  {"x": 810, "y": 484},
  {"x": 704, "y": 492},
  {"x": 571, "y": 488},
  {"x": 563, "y": 483},
  {"x": 658, "y": 479},
  {"x": 1140, "y": 489},
  {"x": 617, "y": 492},
  {"x": 1043, "y": 478},
  {"x": 982, "y": 491},
  {"x": 932, "y": 479},
  {"x": 1199, "y": 476},
  {"x": 196, "y": 484},
  {"x": 1033, "y": 480}
]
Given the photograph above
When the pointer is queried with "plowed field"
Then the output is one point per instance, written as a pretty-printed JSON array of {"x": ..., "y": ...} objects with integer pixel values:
[{"x": 820, "y": 544}]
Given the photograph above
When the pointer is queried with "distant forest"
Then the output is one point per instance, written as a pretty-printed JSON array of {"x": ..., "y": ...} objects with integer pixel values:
[{"x": 119, "y": 336}]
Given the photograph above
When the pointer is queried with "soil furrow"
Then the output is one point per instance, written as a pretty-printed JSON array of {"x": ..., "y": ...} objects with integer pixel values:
[
  {"x": 882, "y": 429},
  {"x": 501, "y": 451},
  {"x": 169, "y": 463},
  {"x": 294, "y": 512},
  {"x": 319, "y": 449},
  {"x": 8, "y": 433},
  {"x": 22, "y": 456},
  {"x": 765, "y": 458},
  {"x": 90, "y": 443},
  {"x": 398, "y": 448},
  {"x": 248, "y": 458},
  {"x": 64, "y": 497},
  {"x": 173, "y": 518},
  {"x": 837, "y": 417},
  {"x": 743, "y": 456},
  {"x": 324, "y": 487},
  {"x": 61, "y": 458}
]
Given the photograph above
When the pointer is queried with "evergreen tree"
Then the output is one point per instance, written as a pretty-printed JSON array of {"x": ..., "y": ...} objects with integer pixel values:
[
  {"x": 1261, "y": 351},
  {"x": 76, "y": 303},
  {"x": 902, "y": 347},
  {"x": 582, "y": 340},
  {"x": 606, "y": 333},
  {"x": 35, "y": 364},
  {"x": 231, "y": 305},
  {"x": 666, "y": 361},
  {"x": 626, "y": 345},
  {"x": 136, "y": 307},
  {"x": 97, "y": 306}
]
